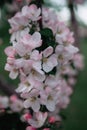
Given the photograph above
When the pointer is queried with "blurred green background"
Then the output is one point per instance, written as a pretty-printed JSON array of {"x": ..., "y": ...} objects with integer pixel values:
[{"x": 77, "y": 110}]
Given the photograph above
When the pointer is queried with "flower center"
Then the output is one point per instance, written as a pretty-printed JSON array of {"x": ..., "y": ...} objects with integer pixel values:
[
  {"x": 44, "y": 59},
  {"x": 27, "y": 84},
  {"x": 60, "y": 57},
  {"x": 26, "y": 56},
  {"x": 50, "y": 97}
]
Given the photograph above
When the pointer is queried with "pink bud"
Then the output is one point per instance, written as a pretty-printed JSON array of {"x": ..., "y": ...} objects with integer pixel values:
[
  {"x": 13, "y": 98},
  {"x": 10, "y": 51},
  {"x": 30, "y": 128},
  {"x": 51, "y": 119},
  {"x": 27, "y": 116}
]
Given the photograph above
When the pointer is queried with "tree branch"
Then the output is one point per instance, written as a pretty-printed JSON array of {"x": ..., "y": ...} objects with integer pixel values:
[
  {"x": 74, "y": 23},
  {"x": 7, "y": 89},
  {"x": 39, "y": 4}
]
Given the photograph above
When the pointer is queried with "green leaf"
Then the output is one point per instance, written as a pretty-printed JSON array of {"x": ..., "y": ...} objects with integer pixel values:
[
  {"x": 46, "y": 32},
  {"x": 47, "y": 38},
  {"x": 52, "y": 72}
]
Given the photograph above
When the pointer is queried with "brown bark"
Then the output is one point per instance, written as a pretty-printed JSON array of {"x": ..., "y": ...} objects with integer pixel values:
[
  {"x": 74, "y": 23},
  {"x": 7, "y": 88}
]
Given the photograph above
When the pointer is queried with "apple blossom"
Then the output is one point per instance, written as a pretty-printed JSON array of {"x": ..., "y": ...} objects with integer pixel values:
[
  {"x": 41, "y": 58},
  {"x": 78, "y": 61},
  {"x": 32, "y": 101},
  {"x": 18, "y": 22},
  {"x": 39, "y": 121},
  {"x": 49, "y": 98},
  {"x": 49, "y": 61},
  {"x": 16, "y": 105},
  {"x": 27, "y": 43},
  {"x": 31, "y": 12}
]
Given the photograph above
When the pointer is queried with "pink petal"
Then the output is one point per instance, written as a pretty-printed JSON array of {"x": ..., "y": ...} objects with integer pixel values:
[{"x": 48, "y": 51}]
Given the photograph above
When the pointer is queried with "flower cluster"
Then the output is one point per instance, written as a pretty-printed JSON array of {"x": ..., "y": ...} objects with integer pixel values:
[
  {"x": 12, "y": 104},
  {"x": 40, "y": 57}
]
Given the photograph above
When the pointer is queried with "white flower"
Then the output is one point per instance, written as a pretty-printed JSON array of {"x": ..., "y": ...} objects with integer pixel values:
[
  {"x": 10, "y": 51},
  {"x": 31, "y": 12},
  {"x": 49, "y": 59},
  {"x": 32, "y": 101},
  {"x": 28, "y": 84},
  {"x": 49, "y": 98},
  {"x": 27, "y": 43},
  {"x": 39, "y": 121},
  {"x": 52, "y": 81},
  {"x": 71, "y": 49},
  {"x": 63, "y": 55},
  {"x": 13, "y": 71},
  {"x": 19, "y": 34},
  {"x": 16, "y": 105},
  {"x": 36, "y": 72},
  {"x": 63, "y": 35}
]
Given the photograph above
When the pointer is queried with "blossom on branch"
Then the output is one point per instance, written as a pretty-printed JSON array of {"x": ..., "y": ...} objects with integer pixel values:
[{"x": 41, "y": 58}]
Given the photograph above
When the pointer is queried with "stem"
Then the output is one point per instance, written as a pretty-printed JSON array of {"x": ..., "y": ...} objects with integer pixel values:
[
  {"x": 39, "y": 5},
  {"x": 74, "y": 23},
  {"x": 6, "y": 88}
]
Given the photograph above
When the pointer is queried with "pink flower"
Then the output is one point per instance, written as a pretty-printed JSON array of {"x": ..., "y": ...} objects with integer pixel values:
[
  {"x": 71, "y": 49},
  {"x": 32, "y": 101},
  {"x": 13, "y": 66},
  {"x": 39, "y": 120},
  {"x": 27, "y": 116},
  {"x": 49, "y": 19},
  {"x": 49, "y": 98},
  {"x": 13, "y": 98},
  {"x": 27, "y": 43},
  {"x": 13, "y": 71},
  {"x": 65, "y": 53},
  {"x": 10, "y": 51},
  {"x": 31, "y": 12},
  {"x": 28, "y": 84},
  {"x": 16, "y": 105},
  {"x": 66, "y": 91},
  {"x": 38, "y": 87},
  {"x": 52, "y": 81},
  {"x": 49, "y": 59},
  {"x": 18, "y": 35},
  {"x": 63, "y": 35},
  {"x": 17, "y": 22},
  {"x": 37, "y": 74},
  {"x": 78, "y": 61}
]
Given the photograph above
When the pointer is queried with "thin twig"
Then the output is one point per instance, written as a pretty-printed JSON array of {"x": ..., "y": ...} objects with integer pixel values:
[
  {"x": 74, "y": 23},
  {"x": 7, "y": 88},
  {"x": 39, "y": 4}
]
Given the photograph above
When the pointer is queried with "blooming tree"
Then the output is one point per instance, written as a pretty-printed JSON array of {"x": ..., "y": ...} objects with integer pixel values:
[{"x": 41, "y": 54}]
